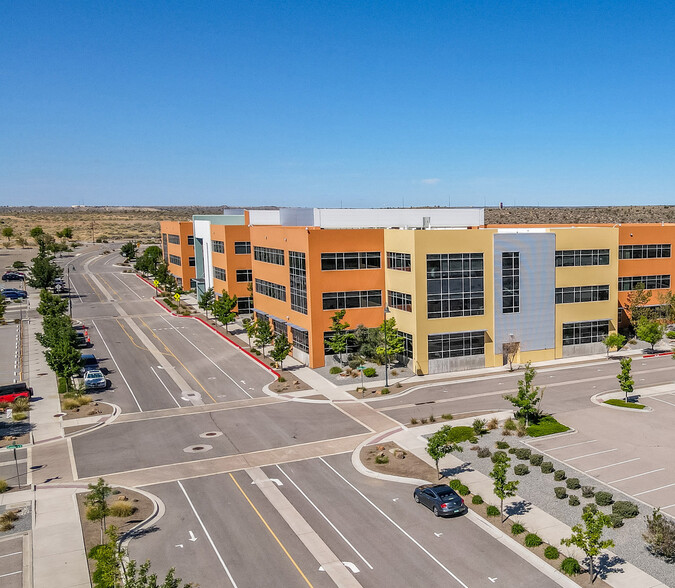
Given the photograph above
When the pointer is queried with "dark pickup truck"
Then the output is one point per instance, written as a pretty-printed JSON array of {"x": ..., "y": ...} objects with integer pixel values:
[{"x": 10, "y": 392}]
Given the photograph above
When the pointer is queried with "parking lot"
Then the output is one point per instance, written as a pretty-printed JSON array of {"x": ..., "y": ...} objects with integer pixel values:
[
  {"x": 11, "y": 355},
  {"x": 11, "y": 562}
]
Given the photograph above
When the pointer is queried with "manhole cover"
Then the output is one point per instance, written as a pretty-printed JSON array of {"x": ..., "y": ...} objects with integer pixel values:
[
  {"x": 197, "y": 448},
  {"x": 42, "y": 374},
  {"x": 209, "y": 434}
]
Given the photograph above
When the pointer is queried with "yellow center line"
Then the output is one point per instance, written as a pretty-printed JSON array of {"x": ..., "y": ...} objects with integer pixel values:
[
  {"x": 172, "y": 354},
  {"x": 133, "y": 341},
  {"x": 288, "y": 555},
  {"x": 109, "y": 286},
  {"x": 92, "y": 287}
]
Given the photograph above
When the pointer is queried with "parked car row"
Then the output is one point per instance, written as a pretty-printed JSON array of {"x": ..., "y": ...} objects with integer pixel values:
[
  {"x": 14, "y": 293},
  {"x": 12, "y": 276}
]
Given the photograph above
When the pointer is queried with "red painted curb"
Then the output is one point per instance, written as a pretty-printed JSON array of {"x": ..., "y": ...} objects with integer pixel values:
[
  {"x": 146, "y": 281},
  {"x": 657, "y": 354}
]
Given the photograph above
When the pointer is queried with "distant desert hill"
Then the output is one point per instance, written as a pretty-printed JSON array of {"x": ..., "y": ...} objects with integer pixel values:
[{"x": 579, "y": 214}]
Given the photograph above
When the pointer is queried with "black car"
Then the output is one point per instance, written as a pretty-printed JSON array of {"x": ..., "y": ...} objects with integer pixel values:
[
  {"x": 12, "y": 276},
  {"x": 440, "y": 499},
  {"x": 89, "y": 362}
]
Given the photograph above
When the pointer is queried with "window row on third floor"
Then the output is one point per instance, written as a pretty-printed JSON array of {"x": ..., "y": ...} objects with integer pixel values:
[{"x": 350, "y": 260}]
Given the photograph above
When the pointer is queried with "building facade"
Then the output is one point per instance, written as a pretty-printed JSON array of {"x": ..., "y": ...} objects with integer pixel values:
[{"x": 179, "y": 252}]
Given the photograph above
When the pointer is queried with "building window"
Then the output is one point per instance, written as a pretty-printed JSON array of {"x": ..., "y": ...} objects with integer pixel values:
[
  {"x": 269, "y": 255},
  {"x": 352, "y": 344},
  {"x": 261, "y": 316},
  {"x": 575, "y": 294},
  {"x": 298, "y": 281},
  {"x": 165, "y": 247},
  {"x": 649, "y": 282},
  {"x": 245, "y": 305},
  {"x": 510, "y": 282},
  {"x": 242, "y": 247},
  {"x": 407, "y": 343},
  {"x": 191, "y": 240},
  {"x": 355, "y": 299},
  {"x": 444, "y": 345},
  {"x": 454, "y": 285},
  {"x": 270, "y": 289},
  {"x": 577, "y": 257},
  {"x": 174, "y": 239},
  {"x": 245, "y": 275},
  {"x": 585, "y": 332},
  {"x": 300, "y": 339},
  {"x": 644, "y": 251},
  {"x": 399, "y": 300},
  {"x": 280, "y": 327},
  {"x": 193, "y": 284},
  {"x": 350, "y": 260},
  {"x": 174, "y": 259},
  {"x": 219, "y": 273},
  {"x": 398, "y": 261},
  {"x": 218, "y": 246},
  {"x": 191, "y": 261}
]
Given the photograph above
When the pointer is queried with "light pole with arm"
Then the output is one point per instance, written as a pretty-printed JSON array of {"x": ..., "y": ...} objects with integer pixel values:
[{"x": 386, "y": 354}]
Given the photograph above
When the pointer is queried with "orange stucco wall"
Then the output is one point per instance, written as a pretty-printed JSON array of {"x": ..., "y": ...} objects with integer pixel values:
[
  {"x": 229, "y": 261},
  {"x": 184, "y": 230}
]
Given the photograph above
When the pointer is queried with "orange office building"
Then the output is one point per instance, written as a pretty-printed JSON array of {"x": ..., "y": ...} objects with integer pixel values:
[{"x": 179, "y": 252}]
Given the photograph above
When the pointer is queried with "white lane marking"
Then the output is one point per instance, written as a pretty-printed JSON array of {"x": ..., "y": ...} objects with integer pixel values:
[
  {"x": 669, "y": 506},
  {"x": 192, "y": 536},
  {"x": 589, "y": 454},
  {"x": 10, "y": 574},
  {"x": 207, "y": 357},
  {"x": 93, "y": 323},
  {"x": 348, "y": 564},
  {"x": 325, "y": 517},
  {"x": 15, "y": 553},
  {"x": 128, "y": 287},
  {"x": 276, "y": 481},
  {"x": 636, "y": 476},
  {"x": 611, "y": 465},
  {"x": 213, "y": 545},
  {"x": 386, "y": 516},
  {"x": 571, "y": 445},
  {"x": 664, "y": 401},
  {"x": 75, "y": 288},
  {"x": 179, "y": 545},
  {"x": 163, "y": 384},
  {"x": 654, "y": 489}
]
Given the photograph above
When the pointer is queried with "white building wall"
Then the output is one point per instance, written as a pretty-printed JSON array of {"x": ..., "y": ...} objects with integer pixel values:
[{"x": 202, "y": 230}]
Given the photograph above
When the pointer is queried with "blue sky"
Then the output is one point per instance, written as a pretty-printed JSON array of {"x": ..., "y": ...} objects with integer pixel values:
[{"x": 317, "y": 103}]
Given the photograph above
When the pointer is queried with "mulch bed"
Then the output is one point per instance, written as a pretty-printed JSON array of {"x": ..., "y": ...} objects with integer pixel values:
[{"x": 95, "y": 408}]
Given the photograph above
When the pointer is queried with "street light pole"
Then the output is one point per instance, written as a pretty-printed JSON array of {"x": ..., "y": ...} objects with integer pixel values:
[
  {"x": 386, "y": 354},
  {"x": 70, "y": 297}
]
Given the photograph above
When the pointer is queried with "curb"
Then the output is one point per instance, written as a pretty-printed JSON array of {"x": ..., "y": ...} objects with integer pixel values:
[
  {"x": 117, "y": 411},
  {"x": 156, "y": 515},
  {"x": 595, "y": 399}
]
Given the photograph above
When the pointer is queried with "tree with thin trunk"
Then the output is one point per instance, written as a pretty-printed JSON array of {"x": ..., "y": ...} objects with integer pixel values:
[
  {"x": 64, "y": 359},
  {"x": 440, "y": 444},
  {"x": 528, "y": 396},
  {"x": 223, "y": 309},
  {"x": 8, "y": 232},
  {"x": 503, "y": 488},
  {"x": 3, "y": 307},
  {"x": 626, "y": 381},
  {"x": 97, "y": 501},
  {"x": 281, "y": 349},
  {"x": 206, "y": 301},
  {"x": 636, "y": 303},
  {"x": 510, "y": 349},
  {"x": 613, "y": 341},
  {"x": 395, "y": 342},
  {"x": 649, "y": 330},
  {"x": 338, "y": 342},
  {"x": 251, "y": 328},
  {"x": 589, "y": 537},
  {"x": 263, "y": 334}
]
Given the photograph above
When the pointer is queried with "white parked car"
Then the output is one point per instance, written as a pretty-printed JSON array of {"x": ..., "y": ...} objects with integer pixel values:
[{"x": 94, "y": 379}]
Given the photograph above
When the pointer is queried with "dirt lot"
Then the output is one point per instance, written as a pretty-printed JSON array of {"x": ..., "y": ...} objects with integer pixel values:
[{"x": 580, "y": 214}]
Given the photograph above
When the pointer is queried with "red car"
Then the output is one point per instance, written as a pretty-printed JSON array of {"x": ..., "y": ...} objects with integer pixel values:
[{"x": 10, "y": 392}]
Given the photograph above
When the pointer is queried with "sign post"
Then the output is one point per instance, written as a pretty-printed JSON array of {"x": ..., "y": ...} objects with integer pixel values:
[
  {"x": 363, "y": 390},
  {"x": 156, "y": 283},
  {"x": 176, "y": 297},
  {"x": 16, "y": 463}
]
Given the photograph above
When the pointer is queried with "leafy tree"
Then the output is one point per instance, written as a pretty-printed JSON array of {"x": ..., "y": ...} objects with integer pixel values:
[
  {"x": 367, "y": 341},
  {"x": 281, "y": 349},
  {"x": 43, "y": 272},
  {"x": 8, "y": 232},
  {"x": 649, "y": 330},
  {"x": 3, "y": 307},
  {"x": 149, "y": 260},
  {"x": 263, "y": 334},
  {"x": 223, "y": 309},
  {"x": 18, "y": 265},
  {"x": 64, "y": 359},
  {"x": 129, "y": 250},
  {"x": 636, "y": 303},
  {"x": 625, "y": 379},
  {"x": 97, "y": 500},
  {"x": 528, "y": 396},
  {"x": 395, "y": 342},
  {"x": 589, "y": 537},
  {"x": 338, "y": 342},
  {"x": 503, "y": 488},
  {"x": 56, "y": 328},
  {"x": 614, "y": 341},
  {"x": 51, "y": 304},
  {"x": 65, "y": 233},
  {"x": 667, "y": 306},
  {"x": 440, "y": 444},
  {"x": 251, "y": 328},
  {"x": 36, "y": 232}
]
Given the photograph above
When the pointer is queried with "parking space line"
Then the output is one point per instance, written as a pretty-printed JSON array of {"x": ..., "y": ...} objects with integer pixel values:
[
  {"x": 325, "y": 517},
  {"x": 401, "y": 529},
  {"x": 636, "y": 476},
  {"x": 611, "y": 465},
  {"x": 669, "y": 506},
  {"x": 8, "y": 554},
  {"x": 589, "y": 454},
  {"x": 664, "y": 401},
  {"x": 10, "y": 574},
  {"x": 654, "y": 489},
  {"x": 163, "y": 384},
  {"x": 572, "y": 445},
  {"x": 213, "y": 545}
]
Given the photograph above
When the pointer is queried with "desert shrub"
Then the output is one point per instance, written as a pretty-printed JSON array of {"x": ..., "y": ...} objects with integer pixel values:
[
  {"x": 616, "y": 520},
  {"x": 477, "y": 499},
  {"x": 483, "y": 452},
  {"x": 588, "y": 491},
  {"x": 413, "y": 421},
  {"x": 536, "y": 459},
  {"x": 574, "y": 501},
  {"x": 370, "y": 372},
  {"x": 492, "y": 424},
  {"x": 121, "y": 508},
  {"x": 473, "y": 440},
  {"x": 492, "y": 511},
  {"x": 423, "y": 421},
  {"x": 521, "y": 429},
  {"x": 463, "y": 490},
  {"x": 523, "y": 453},
  {"x": 394, "y": 373},
  {"x": 381, "y": 459},
  {"x": 9, "y": 515},
  {"x": 335, "y": 370},
  {"x": 603, "y": 498},
  {"x": 532, "y": 540},
  {"x": 281, "y": 379},
  {"x": 502, "y": 445},
  {"x": 455, "y": 484},
  {"x": 547, "y": 467},
  {"x": 670, "y": 334},
  {"x": 521, "y": 469},
  {"x": 559, "y": 475},
  {"x": 4, "y": 486},
  {"x": 590, "y": 507},
  {"x": 625, "y": 509},
  {"x": 6, "y": 526},
  {"x": 19, "y": 416},
  {"x": 560, "y": 492},
  {"x": 660, "y": 535},
  {"x": 496, "y": 454},
  {"x": 551, "y": 552},
  {"x": 570, "y": 566},
  {"x": 385, "y": 391},
  {"x": 478, "y": 426},
  {"x": 510, "y": 424},
  {"x": 573, "y": 483},
  {"x": 517, "y": 529},
  {"x": 506, "y": 432},
  {"x": 447, "y": 416},
  {"x": 512, "y": 450}
]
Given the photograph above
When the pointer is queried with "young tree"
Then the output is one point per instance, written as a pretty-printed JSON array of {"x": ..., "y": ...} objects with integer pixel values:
[
  {"x": 440, "y": 444},
  {"x": 206, "y": 301},
  {"x": 625, "y": 379},
  {"x": 613, "y": 341},
  {"x": 650, "y": 331},
  {"x": 97, "y": 501},
  {"x": 64, "y": 359},
  {"x": 3, "y": 307},
  {"x": 129, "y": 250},
  {"x": 395, "y": 342},
  {"x": 667, "y": 304},
  {"x": 528, "y": 396},
  {"x": 65, "y": 233},
  {"x": 589, "y": 537},
  {"x": 636, "y": 303},
  {"x": 149, "y": 260},
  {"x": 263, "y": 334},
  {"x": 8, "y": 232},
  {"x": 251, "y": 328},
  {"x": 223, "y": 309},
  {"x": 510, "y": 349},
  {"x": 55, "y": 329},
  {"x": 281, "y": 349},
  {"x": 43, "y": 272},
  {"x": 338, "y": 342},
  {"x": 503, "y": 488},
  {"x": 51, "y": 304},
  {"x": 36, "y": 233}
]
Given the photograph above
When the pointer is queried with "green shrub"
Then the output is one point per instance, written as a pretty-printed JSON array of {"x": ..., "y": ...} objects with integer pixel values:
[
  {"x": 463, "y": 490},
  {"x": 670, "y": 334},
  {"x": 370, "y": 372},
  {"x": 460, "y": 434},
  {"x": 335, "y": 370},
  {"x": 496, "y": 455},
  {"x": 281, "y": 379},
  {"x": 590, "y": 507},
  {"x": 478, "y": 426},
  {"x": 473, "y": 440},
  {"x": 559, "y": 475},
  {"x": 477, "y": 499},
  {"x": 547, "y": 467},
  {"x": 517, "y": 529},
  {"x": 625, "y": 509},
  {"x": 122, "y": 508},
  {"x": 573, "y": 483},
  {"x": 62, "y": 385},
  {"x": 570, "y": 566},
  {"x": 492, "y": 511},
  {"x": 532, "y": 540},
  {"x": 447, "y": 416},
  {"x": 19, "y": 416},
  {"x": 512, "y": 450},
  {"x": 574, "y": 501},
  {"x": 588, "y": 491},
  {"x": 660, "y": 535},
  {"x": 536, "y": 459},
  {"x": 523, "y": 453},
  {"x": 616, "y": 520},
  {"x": 385, "y": 391},
  {"x": 546, "y": 426},
  {"x": 502, "y": 445},
  {"x": 483, "y": 452},
  {"x": 551, "y": 552},
  {"x": 603, "y": 498},
  {"x": 381, "y": 459},
  {"x": 560, "y": 492},
  {"x": 455, "y": 484},
  {"x": 521, "y": 470},
  {"x": 4, "y": 486},
  {"x": 510, "y": 424}
]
